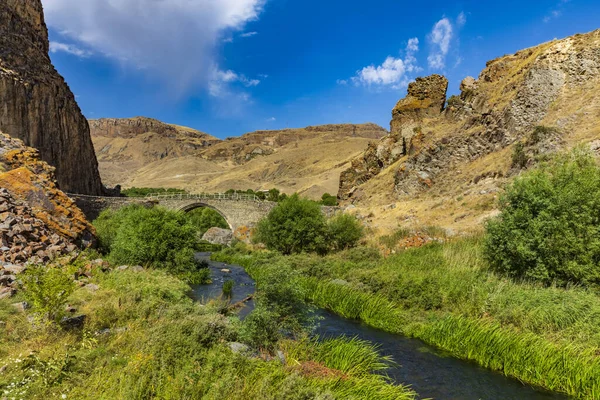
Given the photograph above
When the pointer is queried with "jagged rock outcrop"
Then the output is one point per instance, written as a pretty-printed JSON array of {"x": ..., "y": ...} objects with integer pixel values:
[
  {"x": 36, "y": 105},
  {"x": 37, "y": 220},
  {"x": 426, "y": 99},
  {"x": 542, "y": 98}
]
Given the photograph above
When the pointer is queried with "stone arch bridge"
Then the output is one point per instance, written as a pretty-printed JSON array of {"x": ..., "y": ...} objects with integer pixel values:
[{"x": 241, "y": 211}]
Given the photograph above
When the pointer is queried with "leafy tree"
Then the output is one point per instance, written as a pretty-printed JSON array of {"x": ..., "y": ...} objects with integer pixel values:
[
  {"x": 296, "y": 225},
  {"x": 344, "y": 231},
  {"x": 549, "y": 226}
]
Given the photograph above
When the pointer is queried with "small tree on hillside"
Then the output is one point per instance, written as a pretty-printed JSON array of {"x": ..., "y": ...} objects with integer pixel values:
[
  {"x": 345, "y": 231},
  {"x": 549, "y": 227},
  {"x": 296, "y": 225}
]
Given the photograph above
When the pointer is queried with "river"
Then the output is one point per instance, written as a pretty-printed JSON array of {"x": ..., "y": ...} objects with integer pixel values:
[{"x": 428, "y": 371}]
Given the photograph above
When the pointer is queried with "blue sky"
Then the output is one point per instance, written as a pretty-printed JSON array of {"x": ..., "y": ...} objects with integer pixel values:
[{"x": 228, "y": 67}]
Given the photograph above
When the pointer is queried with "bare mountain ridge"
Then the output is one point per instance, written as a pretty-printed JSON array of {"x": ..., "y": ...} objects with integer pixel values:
[{"x": 146, "y": 152}]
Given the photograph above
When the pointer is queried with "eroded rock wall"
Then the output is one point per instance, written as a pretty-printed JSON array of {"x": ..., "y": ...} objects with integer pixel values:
[{"x": 36, "y": 104}]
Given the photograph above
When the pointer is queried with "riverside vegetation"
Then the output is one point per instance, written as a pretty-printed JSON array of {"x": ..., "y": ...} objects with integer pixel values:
[
  {"x": 140, "y": 336},
  {"x": 522, "y": 300}
]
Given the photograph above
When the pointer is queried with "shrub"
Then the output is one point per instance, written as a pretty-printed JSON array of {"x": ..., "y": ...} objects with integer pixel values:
[
  {"x": 295, "y": 225},
  {"x": 48, "y": 289},
  {"x": 329, "y": 200},
  {"x": 541, "y": 132},
  {"x": 519, "y": 157},
  {"x": 149, "y": 236},
  {"x": 549, "y": 226},
  {"x": 344, "y": 231}
]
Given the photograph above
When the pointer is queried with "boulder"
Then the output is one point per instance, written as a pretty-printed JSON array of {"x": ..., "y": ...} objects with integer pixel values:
[{"x": 218, "y": 236}]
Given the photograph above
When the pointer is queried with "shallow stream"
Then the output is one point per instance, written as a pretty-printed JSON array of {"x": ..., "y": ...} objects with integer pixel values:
[{"x": 430, "y": 372}]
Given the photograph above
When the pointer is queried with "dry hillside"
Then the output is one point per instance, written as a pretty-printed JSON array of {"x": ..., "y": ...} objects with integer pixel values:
[
  {"x": 445, "y": 164},
  {"x": 147, "y": 153}
]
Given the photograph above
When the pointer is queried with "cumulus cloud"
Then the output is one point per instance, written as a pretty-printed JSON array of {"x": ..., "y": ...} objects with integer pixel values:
[
  {"x": 56, "y": 47},
  {"x": 175, "y": 40},
  {"x": 392, "y": 72},
  {"x": 440, "y": 38}
]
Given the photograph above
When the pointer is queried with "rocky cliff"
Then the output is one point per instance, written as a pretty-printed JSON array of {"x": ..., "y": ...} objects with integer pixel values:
[
  {"x": 533, "y": 102},
  {"x": 36, "y": 105},
  {"x": 426, "y": 99},
  {"x": 37, "y": 220}
]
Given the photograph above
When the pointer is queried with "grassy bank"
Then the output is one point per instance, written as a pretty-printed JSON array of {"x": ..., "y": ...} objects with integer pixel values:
[
  {"x": 144, "y": 338},
  {"x": 445, "y": 295}
]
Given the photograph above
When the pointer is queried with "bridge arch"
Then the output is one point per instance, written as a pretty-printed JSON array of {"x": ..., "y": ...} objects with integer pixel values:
[{"x": 193, "y": 206}]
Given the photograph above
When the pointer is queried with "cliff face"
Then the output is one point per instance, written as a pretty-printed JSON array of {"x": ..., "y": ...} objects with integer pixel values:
[
  {"x": 445, "y": 166},
  {"x": 124, "y": 145},
  {"x": 426, "y": 99},
  {"x": 36, "y": 105}
]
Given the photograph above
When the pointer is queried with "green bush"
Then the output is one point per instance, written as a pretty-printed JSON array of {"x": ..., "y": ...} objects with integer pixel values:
[
  {"x": 296, "y": 225},
  {"x": 260, "y": 329},
  {"x": 48, "y": 290},
  {"x": 344, "y": 231},
  {"x": 329, "y": 200},
  {"x": 148, "y": 236},
  {"x": 549, "y": 228}
]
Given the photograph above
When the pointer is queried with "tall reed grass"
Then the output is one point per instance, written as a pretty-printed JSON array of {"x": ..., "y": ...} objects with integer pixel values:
[{"x": 445, "y": 296}]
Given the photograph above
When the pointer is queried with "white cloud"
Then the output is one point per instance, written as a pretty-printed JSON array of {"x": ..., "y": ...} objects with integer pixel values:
[
  {"x": 175, "y": 40},
  {"x": 461, "y": 20},
  {"x": 342, "y": 82},
  {"x": 248, "y": 34},
  {"x": 56, "y": 47},
  {"x": 221, "y": 81},
  {"x": 392, "y": 72},
  {"x": 440, "y": 38},
  {"x": 272, "y": 119}
]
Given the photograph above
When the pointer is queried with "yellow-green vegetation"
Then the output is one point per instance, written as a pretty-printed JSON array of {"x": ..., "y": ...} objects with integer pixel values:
[
  {"x": 144, "y": 338},
  {"x": 446, "y": 295}
]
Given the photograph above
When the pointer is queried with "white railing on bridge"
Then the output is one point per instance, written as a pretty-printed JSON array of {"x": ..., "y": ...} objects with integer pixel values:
[{"x": 203, "y": 196}]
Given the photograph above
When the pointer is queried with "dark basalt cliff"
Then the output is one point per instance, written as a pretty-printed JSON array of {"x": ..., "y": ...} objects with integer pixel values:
[{"x": 36, "y": 105}]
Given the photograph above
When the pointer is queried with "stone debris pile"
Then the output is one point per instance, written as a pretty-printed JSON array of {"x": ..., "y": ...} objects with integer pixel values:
[{"x": 24, "y": 238}]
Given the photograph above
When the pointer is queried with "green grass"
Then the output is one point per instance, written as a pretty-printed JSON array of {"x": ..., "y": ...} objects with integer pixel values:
[
  {"x": 445, "y": 295},
  {"x": 144, "y": 338}
]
